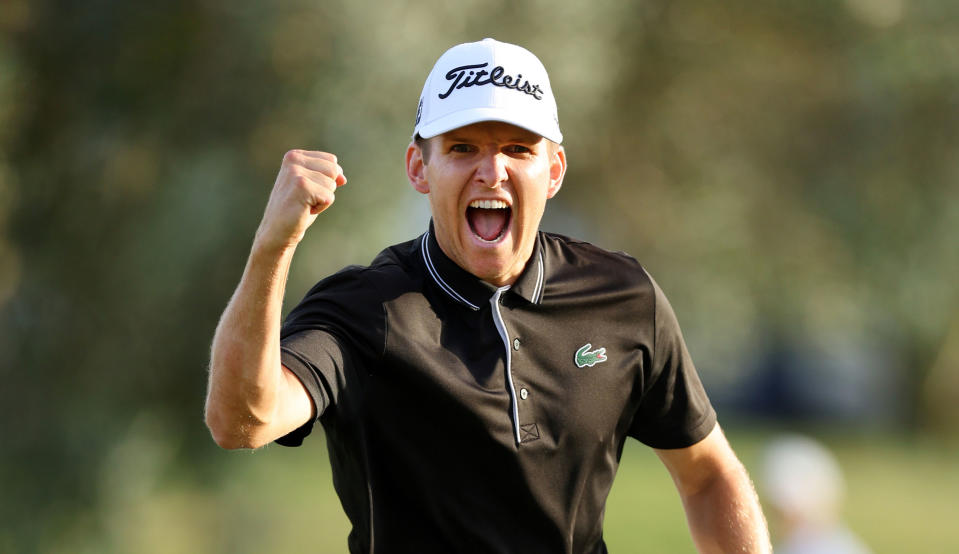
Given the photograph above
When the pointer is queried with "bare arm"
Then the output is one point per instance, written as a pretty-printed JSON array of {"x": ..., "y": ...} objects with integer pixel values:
[
  {"x": 722, "y": 508},
  {"x": 252, "y": 399}
]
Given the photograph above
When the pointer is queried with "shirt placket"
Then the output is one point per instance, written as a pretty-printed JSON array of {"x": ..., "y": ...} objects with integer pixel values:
[{"x": 504, "y": 334}]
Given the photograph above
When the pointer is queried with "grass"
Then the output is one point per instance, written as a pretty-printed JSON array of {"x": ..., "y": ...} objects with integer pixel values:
[
  {"x": 902, "y": 498},
  {"x": 902, "y": 494}
]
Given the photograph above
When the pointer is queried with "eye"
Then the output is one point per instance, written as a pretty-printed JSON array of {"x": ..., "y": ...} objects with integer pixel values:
[
  {"x": 517, "y": 149},
  {"x": 462, "y": 148}
]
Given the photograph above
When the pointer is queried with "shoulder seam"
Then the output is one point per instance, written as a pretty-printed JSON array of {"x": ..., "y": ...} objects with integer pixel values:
[
  {"x": 580, "y": 242},
  {"x": 381, "y": 298}
]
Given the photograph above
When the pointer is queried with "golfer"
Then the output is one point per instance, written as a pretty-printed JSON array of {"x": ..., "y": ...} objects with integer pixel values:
[{"x": 476, "y": 384}]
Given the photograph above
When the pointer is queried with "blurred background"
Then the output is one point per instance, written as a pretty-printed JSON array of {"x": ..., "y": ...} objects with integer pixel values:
[{"x": 786, "y": 170}]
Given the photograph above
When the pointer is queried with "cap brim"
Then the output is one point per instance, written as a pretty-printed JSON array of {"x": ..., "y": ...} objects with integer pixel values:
[{"x": 469, "y": 116}]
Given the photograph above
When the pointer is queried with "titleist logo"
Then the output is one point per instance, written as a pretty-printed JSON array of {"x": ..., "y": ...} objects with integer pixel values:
[{"x": 475, "y": 76}]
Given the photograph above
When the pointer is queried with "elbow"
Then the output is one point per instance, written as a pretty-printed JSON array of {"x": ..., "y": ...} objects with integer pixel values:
[
  {"x": 228, "y": 440},
  {"x": 228, "y": 433},
  {"x": 224, "y": 435},
  {"x": 231, "y": 422}
]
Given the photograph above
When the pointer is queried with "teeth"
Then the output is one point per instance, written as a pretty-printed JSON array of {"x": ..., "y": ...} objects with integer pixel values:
[{"x": 489, "y": 204}]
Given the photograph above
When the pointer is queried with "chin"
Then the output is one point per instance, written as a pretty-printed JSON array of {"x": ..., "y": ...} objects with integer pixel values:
[{"x": 493, "y": 270}]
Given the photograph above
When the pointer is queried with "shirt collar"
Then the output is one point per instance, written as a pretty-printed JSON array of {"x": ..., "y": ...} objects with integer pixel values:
[{"x": 466, "y": 289}]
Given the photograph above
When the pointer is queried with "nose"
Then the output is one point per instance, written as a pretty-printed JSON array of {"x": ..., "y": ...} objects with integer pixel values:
[{"x": 491, "y": 170}]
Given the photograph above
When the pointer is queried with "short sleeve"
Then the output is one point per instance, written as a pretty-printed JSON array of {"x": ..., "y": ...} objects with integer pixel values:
[
  {"x": 321, "y": 337},
  {"x": 674, "y": 411},
  {"x": 317, "y": 360}
]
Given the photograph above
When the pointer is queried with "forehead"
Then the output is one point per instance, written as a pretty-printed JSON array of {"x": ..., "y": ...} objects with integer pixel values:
[{"x": 496, "y": 131}]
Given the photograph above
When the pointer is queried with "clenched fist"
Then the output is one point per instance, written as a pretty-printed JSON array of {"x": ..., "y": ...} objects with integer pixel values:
[{"x": 304, "y": 187}]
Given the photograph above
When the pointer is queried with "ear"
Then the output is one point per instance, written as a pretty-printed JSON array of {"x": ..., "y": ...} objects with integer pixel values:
[
  {"x": 415, "y": 169},
  {"x": 557, "y": 170}
]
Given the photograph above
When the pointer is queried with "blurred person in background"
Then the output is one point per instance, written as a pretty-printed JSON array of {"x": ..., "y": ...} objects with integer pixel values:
[
  {"x": 476, "y": 384},
  {"x": 804, "y": 486}
]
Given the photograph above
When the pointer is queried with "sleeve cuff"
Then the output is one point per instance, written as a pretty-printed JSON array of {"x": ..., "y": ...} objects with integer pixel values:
[
  {"x": 302, "y": 370},
  {"x": 682, "y": 438}
]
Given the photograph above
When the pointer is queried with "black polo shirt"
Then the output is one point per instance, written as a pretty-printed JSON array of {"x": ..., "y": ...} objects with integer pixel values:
[{"x": 461, "y": 417}]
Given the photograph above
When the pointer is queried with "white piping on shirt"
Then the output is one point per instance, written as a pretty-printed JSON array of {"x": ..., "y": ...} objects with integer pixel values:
[
  {"x": 538, "y": 290},
  {"x": 428, "y": 260},
  {"x": 497, "y": 319},
  {"x": 504, "y": 334}
]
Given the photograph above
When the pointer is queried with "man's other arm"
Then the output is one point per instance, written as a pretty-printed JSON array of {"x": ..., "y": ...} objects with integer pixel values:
[
  {"x": 721, "y": 505},
  {"x": 251, "y": 398}
]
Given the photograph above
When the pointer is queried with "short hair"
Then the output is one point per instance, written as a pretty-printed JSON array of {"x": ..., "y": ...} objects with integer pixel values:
[{"x": 424, "y": 145}]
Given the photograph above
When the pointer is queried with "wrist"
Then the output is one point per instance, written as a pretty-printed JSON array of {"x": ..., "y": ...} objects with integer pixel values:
[
  {"x": 265, "y": 246},
  {"x": 270, "y": 259}
]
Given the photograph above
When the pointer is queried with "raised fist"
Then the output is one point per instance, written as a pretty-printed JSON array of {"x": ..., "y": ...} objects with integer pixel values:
[{"x": 305, "y": 186}]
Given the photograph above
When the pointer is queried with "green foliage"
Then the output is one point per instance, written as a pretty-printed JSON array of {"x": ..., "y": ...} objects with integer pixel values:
[{"x": 785, "y": 167}]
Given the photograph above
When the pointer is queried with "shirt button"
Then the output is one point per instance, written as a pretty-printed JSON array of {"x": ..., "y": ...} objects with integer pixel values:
[
  {"x": 515, "y": 344},
  {"x": 523, "y": 393}
]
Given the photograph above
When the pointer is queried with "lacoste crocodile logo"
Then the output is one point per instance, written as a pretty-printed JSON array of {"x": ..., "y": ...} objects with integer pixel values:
[{"x": 585, "y": 358}]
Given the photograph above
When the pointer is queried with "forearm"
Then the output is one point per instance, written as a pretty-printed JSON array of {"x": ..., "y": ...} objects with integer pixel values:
[
  {"x": 725, "y": 515},
  {"x": 245, "y": 368},
  {"x": 251, "y": 398}
]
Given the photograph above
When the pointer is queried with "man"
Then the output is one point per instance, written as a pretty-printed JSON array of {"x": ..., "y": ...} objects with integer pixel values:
[
  {"x": 804, "y": 488},
  {"x": 476, "y": 384}
]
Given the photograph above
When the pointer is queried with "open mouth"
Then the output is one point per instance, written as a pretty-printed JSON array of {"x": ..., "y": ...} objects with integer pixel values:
[{"x": 488, "y": 219}]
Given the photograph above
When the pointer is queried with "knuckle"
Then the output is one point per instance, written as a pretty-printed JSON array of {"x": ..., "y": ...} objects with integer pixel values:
[
  {"x": 292, "y": 156},
  {"x": 324, "y": 196},
  {"x": 301, "y": 181}
]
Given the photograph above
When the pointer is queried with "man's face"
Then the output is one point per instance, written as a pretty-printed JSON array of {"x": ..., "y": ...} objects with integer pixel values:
[{"x": 488, "y": 184}]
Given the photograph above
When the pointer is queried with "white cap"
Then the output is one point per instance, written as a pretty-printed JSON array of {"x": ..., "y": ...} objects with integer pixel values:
[
  {"x": 487, "y": 81},
  {"x": 803, "y": 479}
]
